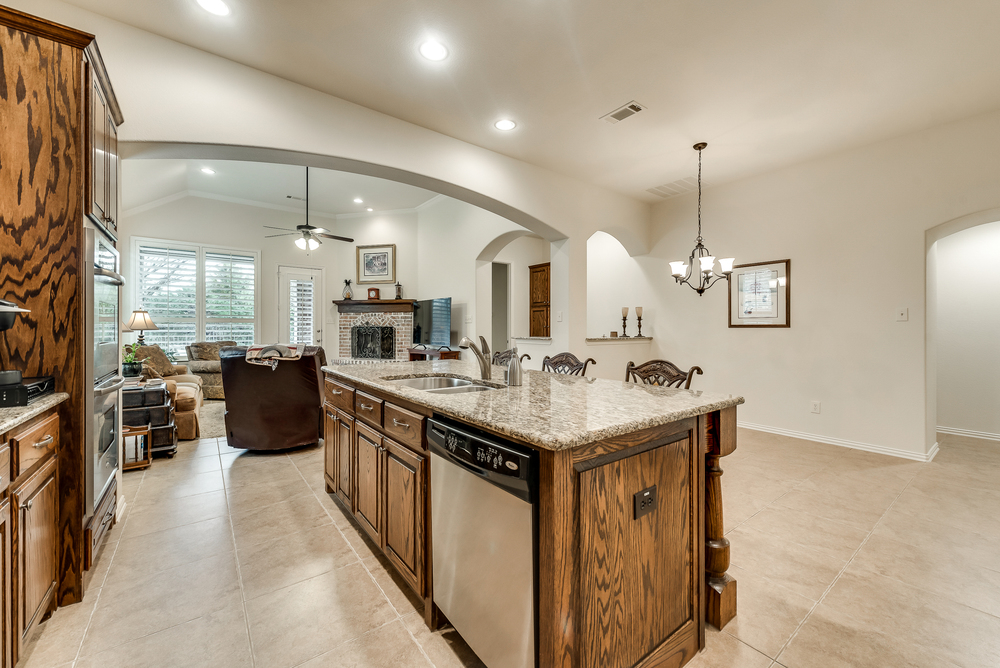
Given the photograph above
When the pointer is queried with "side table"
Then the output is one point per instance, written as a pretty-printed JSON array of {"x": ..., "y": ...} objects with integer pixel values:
[
  {"x": 140, "y": 445},
  {"x": 144, "y": 405}
]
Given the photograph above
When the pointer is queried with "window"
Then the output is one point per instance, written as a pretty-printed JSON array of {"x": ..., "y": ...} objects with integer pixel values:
[
  {"x": 300, "y": 312},
  {"x": 195, "y": 293}
]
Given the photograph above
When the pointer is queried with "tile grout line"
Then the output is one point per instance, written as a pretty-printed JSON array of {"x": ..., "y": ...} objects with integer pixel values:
[
  {"x": 236, "y": 558},
  {"x": 842, "y": 571},
  {"x": 399, "y": 617}
]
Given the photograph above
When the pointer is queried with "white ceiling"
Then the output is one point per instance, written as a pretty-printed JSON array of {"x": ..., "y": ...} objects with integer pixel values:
[
  {"x": 766, "y": 83},
  {"x": 330, "y": 192}
]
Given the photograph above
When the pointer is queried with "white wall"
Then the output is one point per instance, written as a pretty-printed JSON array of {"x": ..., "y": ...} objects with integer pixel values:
[
  {"x": 232, "y": 225},
  {"x": 521, "y": 254},
  {"x": 853, "y": 225},
  {"x": 968, "y": 331}
]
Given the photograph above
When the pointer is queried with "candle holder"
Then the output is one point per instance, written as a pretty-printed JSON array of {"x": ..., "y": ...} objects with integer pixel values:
[
  {"x": 638, "y": 315},
  {"x": 624, "y": 321}
]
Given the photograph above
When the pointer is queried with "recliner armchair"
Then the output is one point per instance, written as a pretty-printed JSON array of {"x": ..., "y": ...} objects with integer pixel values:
[{"x": 273, "y": 409}]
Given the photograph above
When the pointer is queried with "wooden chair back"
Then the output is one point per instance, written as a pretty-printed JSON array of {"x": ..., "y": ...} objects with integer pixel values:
[
  {"x": 503, "y": 357},
  {"x": 566, "y": 363},
  {"x": 660, "y": 372}
]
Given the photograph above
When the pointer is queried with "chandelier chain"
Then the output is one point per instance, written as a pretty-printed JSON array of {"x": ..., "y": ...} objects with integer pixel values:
[{"x": 699, "y": 195}]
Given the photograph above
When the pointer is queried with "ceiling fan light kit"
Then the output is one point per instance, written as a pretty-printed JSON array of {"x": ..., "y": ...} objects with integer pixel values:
[
  {"x": 309, "y": 235},
  {"x": 706, "y": 277}
]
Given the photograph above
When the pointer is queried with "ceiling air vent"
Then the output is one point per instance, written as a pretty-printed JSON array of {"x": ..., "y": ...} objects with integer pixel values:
[
  {"x": 620, "y": 114},
  {"x": 668, "y": 190}
]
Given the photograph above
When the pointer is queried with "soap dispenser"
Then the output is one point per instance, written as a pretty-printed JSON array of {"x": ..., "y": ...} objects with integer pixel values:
[{"x": 514, "y": 372}]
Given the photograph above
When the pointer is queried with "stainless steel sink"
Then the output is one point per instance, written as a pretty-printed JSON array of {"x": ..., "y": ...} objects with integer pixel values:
[
  {"x": 432, "y": 382},
  {"x": 462, "y": 389}
]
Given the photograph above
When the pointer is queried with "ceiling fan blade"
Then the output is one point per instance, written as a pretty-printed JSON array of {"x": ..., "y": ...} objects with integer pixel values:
[
  {"x": 271, "y": 227},
  {"x": 286, "y": 234},
  {"x": 333, "y": 236}
]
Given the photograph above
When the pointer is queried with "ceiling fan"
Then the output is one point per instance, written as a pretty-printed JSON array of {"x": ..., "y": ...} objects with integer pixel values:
[{"x": 309, "y": 235}]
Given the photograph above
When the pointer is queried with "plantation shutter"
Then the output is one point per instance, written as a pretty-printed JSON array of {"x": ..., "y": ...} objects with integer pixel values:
[
  {"x": 168, "y": 289},
  {"x": 230, "y": 297},
  {"x": 301, "y": 317}
]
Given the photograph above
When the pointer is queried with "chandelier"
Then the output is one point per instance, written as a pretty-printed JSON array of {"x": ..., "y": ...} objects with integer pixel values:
[{"x": 706, "y": 276}]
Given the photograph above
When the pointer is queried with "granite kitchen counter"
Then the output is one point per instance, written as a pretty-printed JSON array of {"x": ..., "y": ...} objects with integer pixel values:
[
  {"x": 550, "y": 411},
  {"x": 18, "y": 415}
]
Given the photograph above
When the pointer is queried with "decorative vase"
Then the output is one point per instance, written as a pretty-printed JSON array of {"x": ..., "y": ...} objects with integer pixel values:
[
  {"x": 131, "y": 369},
  {"x": 347, "y": 289}
]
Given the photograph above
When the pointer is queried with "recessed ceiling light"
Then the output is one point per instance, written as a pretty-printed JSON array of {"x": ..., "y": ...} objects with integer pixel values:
[
  {"x": 370, "y": 209},
  {"x": 358, "y": 200},
  {"x": 432, "y": 50},
  {"x": 217, "y": 7},
  {"x": 208, "y": 170},
  {"x": 505, "y": 124}
]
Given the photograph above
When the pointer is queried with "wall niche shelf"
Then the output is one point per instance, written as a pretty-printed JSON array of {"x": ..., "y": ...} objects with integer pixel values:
[{"x": 619, "y": 340}]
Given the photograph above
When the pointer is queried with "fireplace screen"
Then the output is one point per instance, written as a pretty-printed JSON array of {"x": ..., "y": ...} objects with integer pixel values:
[{"x": 373, "y": 343}]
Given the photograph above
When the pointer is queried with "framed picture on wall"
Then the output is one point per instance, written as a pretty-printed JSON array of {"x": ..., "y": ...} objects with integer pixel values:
[
  {"x": 759, "y": 295},
  {"x": 377, "y": 264}
]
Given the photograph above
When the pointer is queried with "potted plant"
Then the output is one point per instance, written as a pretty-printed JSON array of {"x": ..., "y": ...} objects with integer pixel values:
[{"x": 131, "y": 367}]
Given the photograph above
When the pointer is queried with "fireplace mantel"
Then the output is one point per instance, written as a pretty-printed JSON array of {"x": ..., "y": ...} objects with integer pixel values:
[{"x": 375, "y": 305}]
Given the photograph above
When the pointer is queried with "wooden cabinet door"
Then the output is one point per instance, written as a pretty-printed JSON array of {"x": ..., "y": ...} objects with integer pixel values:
[
  {"x": 98, "y": 151},
  {"x": 345, "y": 459},
  {"x": 36, "y": 545},
  {"x": 114, "y": 175},
  {"x": 331, "y": 471},
  {"x": 405, "y": 483},
  {"x": 6, "y": 587},
  {"x": 539, "y": 299},
  {"x": 368, "y": 475}
]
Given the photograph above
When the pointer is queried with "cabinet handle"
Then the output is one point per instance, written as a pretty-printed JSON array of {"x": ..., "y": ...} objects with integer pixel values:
[
  {"x": 45, "y": 441},
  {"x": 330, "y": 415},
  {"x": 400, "y": 424},
  {"x": 27, "y": 504},
  {"x": 336, "y": 392},
  {"x": 366, "y": 407}
]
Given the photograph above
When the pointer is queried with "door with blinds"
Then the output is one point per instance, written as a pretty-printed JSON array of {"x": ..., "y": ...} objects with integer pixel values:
[{"x": 300, "y": 302}]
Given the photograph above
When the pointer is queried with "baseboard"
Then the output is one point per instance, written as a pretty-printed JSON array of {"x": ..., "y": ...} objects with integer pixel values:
[
  {"x": 989, "y": 436},
  {"x": 855, "y": 445},
  {"x": 120, "y": 510}
]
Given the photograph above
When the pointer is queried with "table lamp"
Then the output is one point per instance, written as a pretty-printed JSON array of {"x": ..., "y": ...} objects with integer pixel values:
[
  {"x": 9, "y": 311},
  {"x": 139, "y": 322}
]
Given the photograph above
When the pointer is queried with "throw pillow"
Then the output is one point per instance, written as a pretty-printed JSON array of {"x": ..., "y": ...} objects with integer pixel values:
[{"x": 157, "y": 361}]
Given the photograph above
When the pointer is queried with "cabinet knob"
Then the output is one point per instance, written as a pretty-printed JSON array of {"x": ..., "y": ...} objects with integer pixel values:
[
  {"x": 45, "y": 441},
  {"x": 27, "y": 504}
]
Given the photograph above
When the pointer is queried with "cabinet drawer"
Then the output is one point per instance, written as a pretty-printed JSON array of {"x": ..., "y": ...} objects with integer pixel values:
[
  {"x": 5, "y": 476},
  {"x": 35, "y": 443},
  {"x": 100, "y": 524},
  {"x": 368, "y": 408},
  {"x": 340, "y": 396},
  {"x": 404, "y": 426}
]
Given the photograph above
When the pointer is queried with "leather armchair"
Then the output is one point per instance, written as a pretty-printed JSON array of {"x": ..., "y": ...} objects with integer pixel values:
[{"x": 273, "y": 410}]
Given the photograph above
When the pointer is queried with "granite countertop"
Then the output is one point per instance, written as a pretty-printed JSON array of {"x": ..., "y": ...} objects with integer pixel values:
[
  {"x": 550, "y": 411},
  {"x": 12, "y": 417}
]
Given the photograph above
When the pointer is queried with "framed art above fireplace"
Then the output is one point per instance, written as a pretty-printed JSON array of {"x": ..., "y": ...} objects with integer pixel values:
[{"x": 377, "y": 264}]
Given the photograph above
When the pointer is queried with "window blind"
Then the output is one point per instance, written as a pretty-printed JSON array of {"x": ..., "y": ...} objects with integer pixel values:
[
  {"x": 301, "y": 317},
  {"x": 168, "y": 289},
  {"x": 230, "y": 297}
]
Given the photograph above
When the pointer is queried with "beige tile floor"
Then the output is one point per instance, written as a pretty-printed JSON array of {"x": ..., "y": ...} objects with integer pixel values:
[{"x": 842, "y": 558}]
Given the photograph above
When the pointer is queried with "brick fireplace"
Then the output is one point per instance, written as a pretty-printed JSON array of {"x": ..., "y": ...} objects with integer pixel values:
[{"x": 397, "y": 314}]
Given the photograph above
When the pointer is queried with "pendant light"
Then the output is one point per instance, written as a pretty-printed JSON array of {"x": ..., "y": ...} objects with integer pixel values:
[{"x": 706, "y": 276}]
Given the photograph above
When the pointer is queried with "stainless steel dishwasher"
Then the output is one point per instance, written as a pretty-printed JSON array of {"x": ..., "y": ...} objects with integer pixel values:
[{"x": 484, "y": 493}]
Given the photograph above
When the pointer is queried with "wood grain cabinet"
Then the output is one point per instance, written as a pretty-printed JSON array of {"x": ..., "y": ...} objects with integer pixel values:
[
  {"x": 103, "y": 163},
  {"x": 330, "y": 448},
  {"x": 6, "y": 586},
  {"x": 35, "y": 502},
  {"x": 404, "y": 484},
  {"x": 368, "y": 469}
]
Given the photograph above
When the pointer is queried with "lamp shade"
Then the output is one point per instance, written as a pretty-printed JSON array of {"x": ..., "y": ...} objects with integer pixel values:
[
  {"x": 726, "y": 264},
  {"x": 126, "y": 328},
  {"x": 707, "y": 263},
  {"x": 678, "y": 268},
  {"x": 140, "y": 320}
]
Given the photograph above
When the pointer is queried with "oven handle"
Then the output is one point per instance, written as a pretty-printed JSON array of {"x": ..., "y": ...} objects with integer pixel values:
[
  {"x": 108, "y": 390},
  {"x": 115, "y": 277}
]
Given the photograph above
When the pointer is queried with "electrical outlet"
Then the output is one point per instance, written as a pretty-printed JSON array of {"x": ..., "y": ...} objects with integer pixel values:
[
  {"x": 815, "y": 407},
  {"x": 644, "y": 502},
  {"x": 558, "y": 316},
  {"x": 468, "y": 320},
  {"x": 902, "y": 314}
]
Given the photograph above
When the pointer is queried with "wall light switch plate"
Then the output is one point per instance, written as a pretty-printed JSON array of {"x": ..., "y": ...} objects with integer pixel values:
[
  {"x": 558, "y": 316},
  {"x": 815, "y": 407},
  {"x": 468, "y": 320},
  {"x": 902, "y": 314}
]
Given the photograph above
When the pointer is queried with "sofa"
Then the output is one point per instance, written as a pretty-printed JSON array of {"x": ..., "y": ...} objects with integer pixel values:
[
  {"x": 203, "y": 361},
  {"x": 273, "y": 409},
  {"x": 184, "y": 389}
]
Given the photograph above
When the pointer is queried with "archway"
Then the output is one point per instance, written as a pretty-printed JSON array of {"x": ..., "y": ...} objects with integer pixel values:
[{"x": 953, "y": 335}]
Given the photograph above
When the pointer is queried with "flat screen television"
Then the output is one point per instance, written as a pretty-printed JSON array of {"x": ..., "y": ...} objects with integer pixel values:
[{"x": 432, "y": 322}]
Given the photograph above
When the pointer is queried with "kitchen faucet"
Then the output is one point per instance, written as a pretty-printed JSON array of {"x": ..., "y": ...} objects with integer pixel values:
[{"x": 482, "y": 356}]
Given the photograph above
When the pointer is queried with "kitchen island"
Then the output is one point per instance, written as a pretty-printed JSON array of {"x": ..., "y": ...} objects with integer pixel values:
[{"x": 616, "y": 586}]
